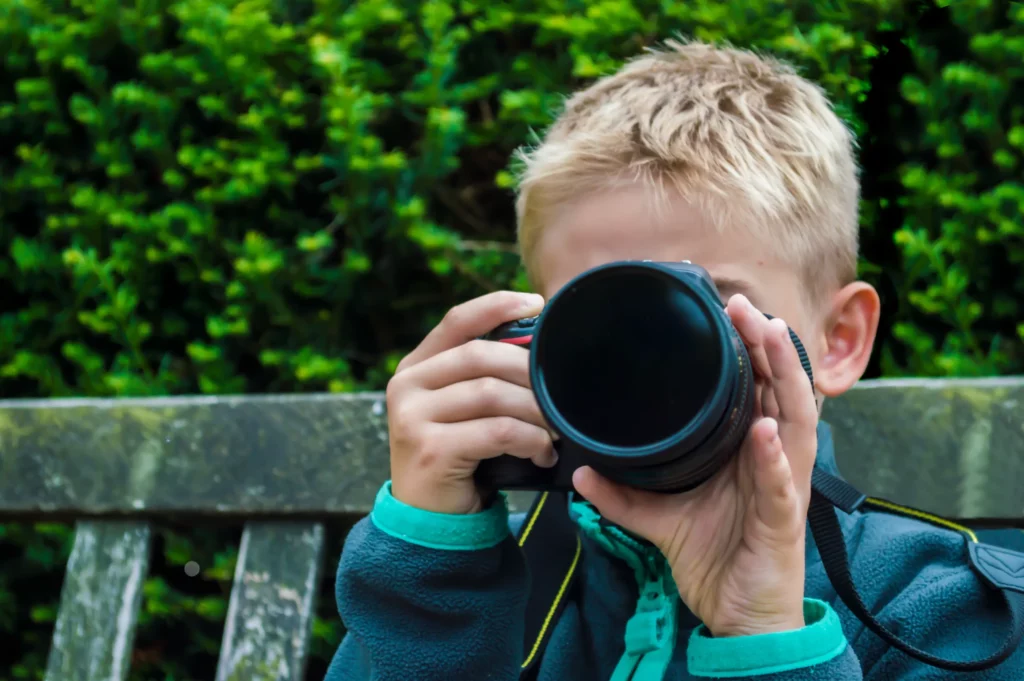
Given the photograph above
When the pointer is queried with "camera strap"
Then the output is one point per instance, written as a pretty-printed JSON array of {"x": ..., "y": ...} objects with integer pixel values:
[
  {"x": 551, "y": 545},
  {"x": 1000, "y": 568}
]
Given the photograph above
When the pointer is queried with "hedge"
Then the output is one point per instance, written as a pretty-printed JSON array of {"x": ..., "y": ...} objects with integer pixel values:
[{"x": 203, "y": 196}]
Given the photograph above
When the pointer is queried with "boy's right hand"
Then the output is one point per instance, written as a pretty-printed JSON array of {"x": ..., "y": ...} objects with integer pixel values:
[{"x": 456, "y": 400}]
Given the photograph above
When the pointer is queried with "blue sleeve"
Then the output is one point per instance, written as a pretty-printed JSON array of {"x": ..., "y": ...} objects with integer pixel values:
[
  {"x": 817, "y": 651},
  {"x": 429, "y": 596}
]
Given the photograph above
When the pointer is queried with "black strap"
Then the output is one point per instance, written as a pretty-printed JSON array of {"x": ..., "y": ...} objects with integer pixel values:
[
  {"x": 551, "y": 545},
  {"x": 998, "y": 567}
]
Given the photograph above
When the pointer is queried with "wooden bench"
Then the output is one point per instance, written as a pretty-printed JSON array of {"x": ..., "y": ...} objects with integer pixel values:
[{"x": 286, "y": 464}]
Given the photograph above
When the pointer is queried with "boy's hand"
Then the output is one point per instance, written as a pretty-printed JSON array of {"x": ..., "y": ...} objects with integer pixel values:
[
  {"x": 736, "y": 543},
  {"x": 455, "y": 400}
]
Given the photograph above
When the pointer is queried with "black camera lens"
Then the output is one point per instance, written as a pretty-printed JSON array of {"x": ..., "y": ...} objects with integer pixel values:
[
  {"x": 639, "y": 369},
  {"x": 630, "y": 359}
]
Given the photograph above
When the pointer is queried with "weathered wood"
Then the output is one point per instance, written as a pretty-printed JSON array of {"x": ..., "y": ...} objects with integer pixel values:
[
  {"x": 99, "y": 604},
  {"x": 224, "y": 455},
  {"x": 270, "y": 614},
  {"x": 951, "y": 447}
]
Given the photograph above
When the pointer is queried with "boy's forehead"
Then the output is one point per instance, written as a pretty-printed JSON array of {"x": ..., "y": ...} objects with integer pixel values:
[{"x": 624, "y": 226}]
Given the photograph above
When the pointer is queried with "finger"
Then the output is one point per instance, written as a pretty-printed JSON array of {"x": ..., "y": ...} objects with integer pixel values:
[
  {"x": 794, "y": 397},
  {"x": 493, "y": 436},
  {"x": 775, "y": 496},
  {"x": 769, "y": 405},
  {"x": 793, "y": 392},
  {"x": 482, "y": 398},
  {"x": 751, "y": 324},
  {"x": 630, "y": 508},
  {"x": 473, "y": 319},
  {"x": 475, "y": 359}
]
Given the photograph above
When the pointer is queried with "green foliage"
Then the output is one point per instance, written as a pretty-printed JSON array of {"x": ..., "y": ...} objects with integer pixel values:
[
  {"x": 961, "y": 237},
  {"x": 214, "y": 196},
  {"x": 221, "y": 196},
  {"x": 31, "y": 564}
]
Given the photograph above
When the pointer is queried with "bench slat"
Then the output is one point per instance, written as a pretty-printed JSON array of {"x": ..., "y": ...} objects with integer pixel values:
[
  {"x": 99, "y": 604},
  {"x": 244, "y": 456},
  {"x": 947, "y": 446},
  {"x": 270, "y": 613}
]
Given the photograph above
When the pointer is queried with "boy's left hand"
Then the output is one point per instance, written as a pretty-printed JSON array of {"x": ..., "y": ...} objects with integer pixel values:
[{"x": 736, "y": 543}]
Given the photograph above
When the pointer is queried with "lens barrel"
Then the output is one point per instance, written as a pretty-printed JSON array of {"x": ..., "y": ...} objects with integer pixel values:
[
  {"x": 637, "y": 367},
  {"x": 639, "y": 370}
]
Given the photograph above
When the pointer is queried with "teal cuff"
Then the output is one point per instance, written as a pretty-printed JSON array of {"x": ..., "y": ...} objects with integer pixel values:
[
  {"x": 816, "y": 643},
  {"x": 443, "y": 531}
]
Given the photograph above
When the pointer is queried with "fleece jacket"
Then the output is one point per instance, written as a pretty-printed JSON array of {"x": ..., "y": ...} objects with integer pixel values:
[{"x": 433, "y": 597}]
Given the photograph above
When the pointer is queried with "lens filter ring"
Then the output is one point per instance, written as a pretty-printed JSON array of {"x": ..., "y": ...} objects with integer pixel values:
[{"x": 561, "y": 319}]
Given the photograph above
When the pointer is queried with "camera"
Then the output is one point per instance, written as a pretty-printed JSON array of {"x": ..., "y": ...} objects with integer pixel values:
[{"x": 639, "y": 371}]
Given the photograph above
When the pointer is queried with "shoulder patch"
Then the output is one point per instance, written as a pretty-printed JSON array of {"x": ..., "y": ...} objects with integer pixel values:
[{"x": 1002, "y": 568}]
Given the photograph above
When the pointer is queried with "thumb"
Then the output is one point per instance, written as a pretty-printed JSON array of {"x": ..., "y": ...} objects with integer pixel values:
[{"x": 627, "y": 507}]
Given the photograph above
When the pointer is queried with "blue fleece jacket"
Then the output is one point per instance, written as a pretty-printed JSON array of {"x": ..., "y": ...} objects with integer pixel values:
[{"x": 430, "y": 597}]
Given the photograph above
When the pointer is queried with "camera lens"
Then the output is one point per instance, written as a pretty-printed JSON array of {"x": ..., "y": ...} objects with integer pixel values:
[{"x": 631, "y": 359}]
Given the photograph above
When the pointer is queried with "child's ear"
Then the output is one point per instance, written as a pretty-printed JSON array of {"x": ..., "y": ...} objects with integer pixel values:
[{"x": 849, "y": 336}]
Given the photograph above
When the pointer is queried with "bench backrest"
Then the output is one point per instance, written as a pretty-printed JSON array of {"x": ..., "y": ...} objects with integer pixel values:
[{"x": 287, "y": 463}]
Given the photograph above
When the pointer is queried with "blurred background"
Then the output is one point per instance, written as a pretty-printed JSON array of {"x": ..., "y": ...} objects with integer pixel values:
[{"x": 211, "y": 197}]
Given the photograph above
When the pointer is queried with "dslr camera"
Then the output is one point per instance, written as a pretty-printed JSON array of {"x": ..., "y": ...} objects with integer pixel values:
[{"x": 638, "y": 369}]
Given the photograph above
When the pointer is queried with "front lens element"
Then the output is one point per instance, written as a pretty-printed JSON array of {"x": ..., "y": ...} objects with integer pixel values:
[{"x": 629, "y": 357}]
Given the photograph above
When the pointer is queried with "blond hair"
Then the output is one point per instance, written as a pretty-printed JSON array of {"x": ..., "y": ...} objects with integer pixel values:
[{"x": 742, "y": 136}]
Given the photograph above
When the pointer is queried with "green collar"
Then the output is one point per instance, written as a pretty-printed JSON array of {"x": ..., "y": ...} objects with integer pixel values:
[{"x": 650, "y": 634}]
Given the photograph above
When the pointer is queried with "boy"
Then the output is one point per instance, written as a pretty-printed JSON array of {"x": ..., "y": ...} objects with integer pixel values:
[{"x": 732, "y": 161}]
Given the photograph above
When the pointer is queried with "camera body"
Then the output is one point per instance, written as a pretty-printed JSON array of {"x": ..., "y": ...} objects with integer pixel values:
[
  {"x": 521, "y": 331},
  {"x": 639, "y": 371}
]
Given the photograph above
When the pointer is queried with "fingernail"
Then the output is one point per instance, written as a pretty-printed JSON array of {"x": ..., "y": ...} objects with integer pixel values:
[
  {"x": 532, "y": 301},
  {"x": 782, "y": 329},
  {"x": 577, "y": 477}
]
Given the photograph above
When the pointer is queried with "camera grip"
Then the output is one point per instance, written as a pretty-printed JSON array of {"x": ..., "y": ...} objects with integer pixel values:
[
  {"x": 518, "y": 332},
  {"x": 511, "y": 473}
]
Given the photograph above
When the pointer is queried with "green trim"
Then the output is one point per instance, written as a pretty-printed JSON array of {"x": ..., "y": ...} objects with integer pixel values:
[
  {"x": 650, "y": 662},
  {"x": 819, "y": 641},
  {"x": 624, "y": 669},
  {"x": 447, "y": 532},
  {"x": 650, "y": 634},
  {"x": 612, "y": 539},
  {"x": 653, "y": 665}
]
